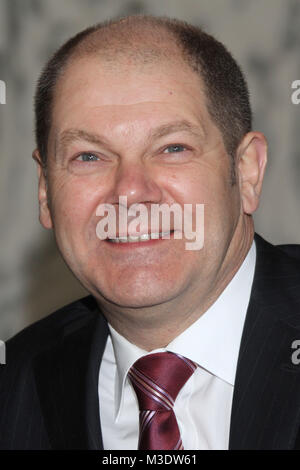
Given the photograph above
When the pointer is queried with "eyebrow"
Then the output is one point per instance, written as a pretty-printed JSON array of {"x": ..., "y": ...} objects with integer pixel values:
[{"x": 70, "y": 135}]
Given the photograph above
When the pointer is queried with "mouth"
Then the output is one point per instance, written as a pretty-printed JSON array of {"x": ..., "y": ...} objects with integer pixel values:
[{"x": 140, "y": 239}]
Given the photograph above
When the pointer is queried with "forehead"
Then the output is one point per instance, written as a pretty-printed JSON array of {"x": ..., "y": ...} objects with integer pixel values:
[{"x": 92, "y": 90}]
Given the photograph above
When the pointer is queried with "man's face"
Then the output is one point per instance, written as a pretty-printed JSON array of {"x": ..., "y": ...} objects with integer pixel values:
[{"x": 154, "y": 142}]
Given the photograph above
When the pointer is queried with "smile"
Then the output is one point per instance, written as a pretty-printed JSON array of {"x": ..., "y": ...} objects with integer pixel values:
[{"x": 142, "y": 238}]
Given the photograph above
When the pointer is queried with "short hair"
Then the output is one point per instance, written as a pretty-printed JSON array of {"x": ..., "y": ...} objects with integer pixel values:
[{"x": 227, "y": 96}]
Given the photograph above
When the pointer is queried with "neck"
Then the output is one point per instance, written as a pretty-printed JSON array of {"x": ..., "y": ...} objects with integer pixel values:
[{"x": 155, "y": 326}]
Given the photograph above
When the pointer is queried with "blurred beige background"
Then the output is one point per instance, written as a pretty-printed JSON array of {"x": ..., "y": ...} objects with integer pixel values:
[{"x": 263, "y": 35}]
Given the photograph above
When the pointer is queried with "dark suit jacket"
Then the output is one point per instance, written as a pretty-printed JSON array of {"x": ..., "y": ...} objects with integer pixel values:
[{"x": 48, "y": 387}]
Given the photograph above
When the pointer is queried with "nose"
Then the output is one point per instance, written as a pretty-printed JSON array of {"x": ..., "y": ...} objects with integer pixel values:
[{"x": 138, "y": 183}]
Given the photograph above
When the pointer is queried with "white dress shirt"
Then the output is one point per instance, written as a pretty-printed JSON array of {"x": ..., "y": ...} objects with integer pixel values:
[{"x": 203, "y": 406}]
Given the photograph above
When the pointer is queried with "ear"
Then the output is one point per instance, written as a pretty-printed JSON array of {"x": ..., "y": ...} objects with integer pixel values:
[
  {"x": 251, "y": 163},
  {"x": 44, "y": 215}
]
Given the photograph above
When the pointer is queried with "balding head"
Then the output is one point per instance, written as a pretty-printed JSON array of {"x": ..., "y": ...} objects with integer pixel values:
[
  {"x": 138, "y": 39},
  {"x": 144, "y": 41}
]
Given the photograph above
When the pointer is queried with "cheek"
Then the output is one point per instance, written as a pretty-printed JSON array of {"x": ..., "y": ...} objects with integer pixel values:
[
  {"x": 197, "y": 187},
  {"x": 73, "y": 203},
  {"x": 214, "y": 191}
]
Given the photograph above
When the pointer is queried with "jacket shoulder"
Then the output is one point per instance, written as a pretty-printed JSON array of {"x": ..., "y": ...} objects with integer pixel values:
[
  {"x": 49, "y": 330},
  {"x": 291, "y": 250},
  {"x": 282, "y": 255}
]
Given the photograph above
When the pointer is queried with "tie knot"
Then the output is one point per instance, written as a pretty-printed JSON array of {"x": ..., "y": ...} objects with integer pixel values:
[{"x": 157, "y": 379}]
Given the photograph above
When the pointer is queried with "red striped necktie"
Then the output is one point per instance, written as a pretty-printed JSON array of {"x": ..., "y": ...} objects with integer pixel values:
[{"x": 157, "y": 379}]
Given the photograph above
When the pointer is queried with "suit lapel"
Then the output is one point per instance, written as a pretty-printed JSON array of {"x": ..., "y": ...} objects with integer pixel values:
[
  {"x": 93, "y": 424},
  {"x": 266, "y": 401},
  {"x": 67, "y": 383}
]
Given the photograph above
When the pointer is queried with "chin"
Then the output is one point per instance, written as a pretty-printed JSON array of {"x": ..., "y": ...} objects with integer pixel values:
[
  {"x": 136, "y": 298},
  {"x": 136, "y": 289}
]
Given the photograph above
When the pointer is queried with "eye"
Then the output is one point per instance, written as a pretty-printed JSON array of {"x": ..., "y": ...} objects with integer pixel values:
[
  {"x": 87, "y": 157},
  {"x": 174, "y": 148}
]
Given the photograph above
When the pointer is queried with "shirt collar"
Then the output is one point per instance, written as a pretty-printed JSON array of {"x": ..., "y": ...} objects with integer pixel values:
[{"x": 212, "y": 341}]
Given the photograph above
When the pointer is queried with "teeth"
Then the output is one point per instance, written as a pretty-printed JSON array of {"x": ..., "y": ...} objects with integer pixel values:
[
  {"x": 159, "y": 235},
  {"x": 142, "y": 238}
]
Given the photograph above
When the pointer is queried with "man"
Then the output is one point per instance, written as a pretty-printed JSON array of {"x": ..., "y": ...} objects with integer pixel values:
[{"x": 156, "y": 111}]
